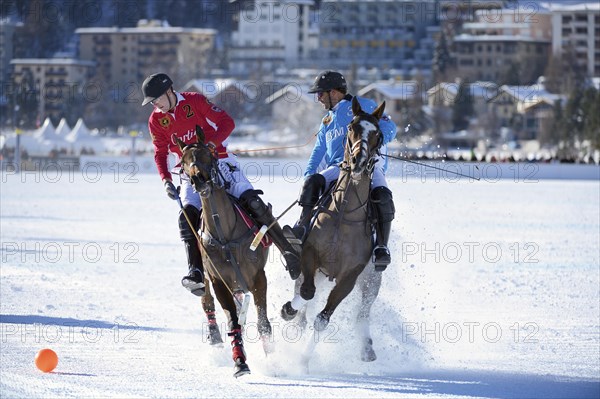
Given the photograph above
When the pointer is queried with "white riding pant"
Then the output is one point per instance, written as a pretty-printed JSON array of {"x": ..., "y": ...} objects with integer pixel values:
[
  {"x": 333, "y": 172},
  {"x": 238, "y": 182}
]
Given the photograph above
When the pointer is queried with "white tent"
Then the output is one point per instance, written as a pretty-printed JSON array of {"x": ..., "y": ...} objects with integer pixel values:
[
  {"x": 47, "y": 140},
  {"x": 80, "y": 131},
  {"x": 63, "y": 128},
  {"x": 80, "y": 137},
  {"x": 46, "y": 132}
]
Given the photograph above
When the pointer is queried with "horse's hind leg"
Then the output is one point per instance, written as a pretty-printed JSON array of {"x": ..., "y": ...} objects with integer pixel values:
[
  {"x": 208, "y": 304},
  {"x": 260, "y": 301},
  {"x": 369, "y": 282}
]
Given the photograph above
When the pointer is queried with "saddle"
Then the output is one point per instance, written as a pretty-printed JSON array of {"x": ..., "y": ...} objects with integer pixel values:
[
  {"x": 322, "y": 205},
  {"x": 253, "y": 227}
]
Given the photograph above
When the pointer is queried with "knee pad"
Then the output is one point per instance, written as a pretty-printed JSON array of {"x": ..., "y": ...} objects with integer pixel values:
[
  {"x": 193, "y": 214},
  {"x": 384, "y": 203},
  {"x": 312, "y": 189},
  {"x": 253, "y": 203}
]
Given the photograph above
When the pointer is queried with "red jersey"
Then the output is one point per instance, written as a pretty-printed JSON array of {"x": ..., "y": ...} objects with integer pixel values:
[{"x": 192, "y": 109}]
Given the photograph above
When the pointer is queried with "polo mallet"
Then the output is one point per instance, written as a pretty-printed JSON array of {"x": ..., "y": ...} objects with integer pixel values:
[{"x": 264, "y": 228}]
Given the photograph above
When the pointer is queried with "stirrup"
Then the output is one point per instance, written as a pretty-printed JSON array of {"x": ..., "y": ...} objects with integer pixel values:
[
  {"x": 290, "y": 235},
  {"x": 194, "y": 283},
  {"x": 381, "y": 260}
]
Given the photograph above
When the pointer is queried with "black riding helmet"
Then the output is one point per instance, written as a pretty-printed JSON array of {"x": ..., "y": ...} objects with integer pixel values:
[
  {"x": 155, "y": 86},
  {"x": 328, "y": 80}
]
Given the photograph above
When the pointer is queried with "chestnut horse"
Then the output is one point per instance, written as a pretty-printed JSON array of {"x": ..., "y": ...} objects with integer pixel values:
[{"x": 232, "y": 267}]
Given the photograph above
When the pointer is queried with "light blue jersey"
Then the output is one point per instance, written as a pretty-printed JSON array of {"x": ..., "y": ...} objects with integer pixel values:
[{"x": 331, "y": 137}]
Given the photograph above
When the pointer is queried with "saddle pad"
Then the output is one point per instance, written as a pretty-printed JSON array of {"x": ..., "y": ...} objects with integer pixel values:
[{"x": 266, "y": 241}]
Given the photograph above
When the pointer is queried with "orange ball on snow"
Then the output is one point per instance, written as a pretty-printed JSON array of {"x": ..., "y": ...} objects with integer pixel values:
[{"x": 46, "y": 360}]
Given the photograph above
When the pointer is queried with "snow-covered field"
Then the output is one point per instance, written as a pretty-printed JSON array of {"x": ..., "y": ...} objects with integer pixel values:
[{"x": 493, "y": 292}]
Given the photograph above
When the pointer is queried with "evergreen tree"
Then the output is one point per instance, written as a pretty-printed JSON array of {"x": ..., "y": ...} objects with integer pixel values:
[
  {"x": 571, "y": 124},
  {"x": 25, "y": 98},
  {"x": 462, "y": 109},
  {"x": 441, "y": 59},
  {"x": 591, "y": 124},
  {"x": 512, "y": 75}
]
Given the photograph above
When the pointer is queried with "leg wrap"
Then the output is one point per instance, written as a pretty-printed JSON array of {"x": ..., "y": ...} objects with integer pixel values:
[{"x": 237, "y": 345}]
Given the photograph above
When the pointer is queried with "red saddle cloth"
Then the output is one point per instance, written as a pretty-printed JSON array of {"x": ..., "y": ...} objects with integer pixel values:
[{"x": 266, "y": 240}]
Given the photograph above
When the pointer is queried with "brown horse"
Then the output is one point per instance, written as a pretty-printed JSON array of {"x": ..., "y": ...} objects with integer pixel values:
[
  {"x": 232, "y": 267},
  {"x": 339, "y": 243}
]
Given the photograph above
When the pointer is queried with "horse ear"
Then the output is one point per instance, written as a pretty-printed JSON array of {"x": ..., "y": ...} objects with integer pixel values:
[
  {"x": 180, "y": 143},
  {"x": 378, "y": 113},
  {"x": 356, "y": 109},
  {"x": 200, "y": 134}
]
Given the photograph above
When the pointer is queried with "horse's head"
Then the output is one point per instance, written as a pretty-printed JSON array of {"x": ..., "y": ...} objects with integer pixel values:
[
  {"x": 364, "y": 139},
  {"x": 199, "y": 163}
]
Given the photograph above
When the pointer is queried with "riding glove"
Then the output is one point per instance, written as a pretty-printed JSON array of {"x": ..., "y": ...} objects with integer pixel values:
[{"x": 172, "y": 191}]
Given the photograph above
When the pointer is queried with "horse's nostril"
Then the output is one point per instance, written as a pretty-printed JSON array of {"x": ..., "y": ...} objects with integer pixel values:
[{"x": 354, "y": 160}]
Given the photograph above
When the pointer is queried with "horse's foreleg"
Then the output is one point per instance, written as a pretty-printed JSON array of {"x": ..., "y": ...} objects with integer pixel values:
[
  {"x": 309, "y": 261},
  {"x": 290, "y": 309},
  {"x": 260, "y": 301},
  {"x": 343, "y": 286},
  {"x": 235, "y": 330},
  {"x": 369, "y": 282},
  {"x": 208, "y": 304}
]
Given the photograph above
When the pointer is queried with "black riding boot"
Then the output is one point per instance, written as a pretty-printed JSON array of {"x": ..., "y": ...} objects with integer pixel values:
[
  {"x": 194, "y": 280},
  {"x": 384, "y": 211},
  {"x": 312, "y": 189},
  {"x": 255, "y": 206}
]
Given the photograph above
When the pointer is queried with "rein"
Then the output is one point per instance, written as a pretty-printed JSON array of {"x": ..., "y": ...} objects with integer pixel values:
[{"x": 218, "y": 180}]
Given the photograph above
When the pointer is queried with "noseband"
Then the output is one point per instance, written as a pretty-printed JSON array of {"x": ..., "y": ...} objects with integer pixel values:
[{"x": 211, "y": 169}]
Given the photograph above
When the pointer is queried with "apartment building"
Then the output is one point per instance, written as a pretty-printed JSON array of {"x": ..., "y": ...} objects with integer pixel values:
[
  {"x": 576, "y": 29},
  {"x": 7, "y": 32},
  {"x": 60, "y": 84},
  {"x": 125, "y": 56},
  {"x": 504, "y": 42},
  {"x": 380, "y": 33},
  {"x": 271, "y": 35}
]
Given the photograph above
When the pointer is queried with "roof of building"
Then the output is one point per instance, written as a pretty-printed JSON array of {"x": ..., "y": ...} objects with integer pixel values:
[
  {"x": 53, "y": 61},
  {"x": 145, "y": 30},
  {"x": 295, "y": 91},
  {"x": 480, "y": 89},
  {"x": 394, "y": 90},
  {"x": 570, "y": 7},
  {"x": 212, "y": 87},
  {"x": 464, "y": 37}
]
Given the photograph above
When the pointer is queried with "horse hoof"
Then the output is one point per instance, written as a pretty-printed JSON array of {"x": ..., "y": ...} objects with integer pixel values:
[
  {"x": 288, "y": 312},
  {"x": 321, "y": 322},
  {"x": 214, "y": 335},
  {"x": 306, "y": 292},
  {"x": 367, "y": 353},
  {"x": 241, "y": 368}
]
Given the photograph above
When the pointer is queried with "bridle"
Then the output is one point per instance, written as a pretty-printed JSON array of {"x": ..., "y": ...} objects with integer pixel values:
[
  {"x": 355, "y": 148},
  {"x": 203, "y": 184}
]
